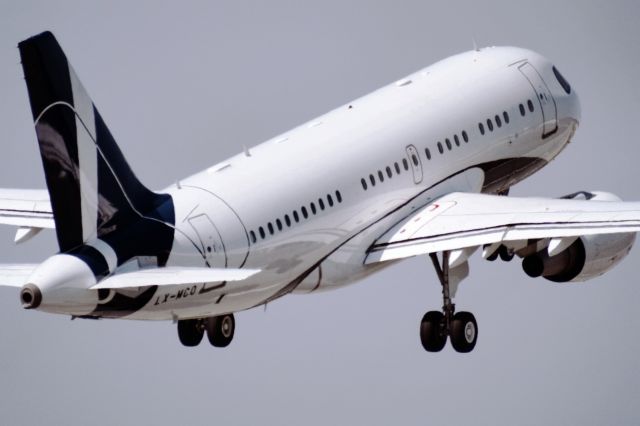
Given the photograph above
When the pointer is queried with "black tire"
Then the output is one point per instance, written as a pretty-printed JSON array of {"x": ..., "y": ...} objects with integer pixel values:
[
  {"x": 432, "y": 333},
  {"x": 190, "y": 332},
  {"x": 464, "y": 332},
  {"x": 504, "y": 254},
  {"x": 220, "y": 330}
]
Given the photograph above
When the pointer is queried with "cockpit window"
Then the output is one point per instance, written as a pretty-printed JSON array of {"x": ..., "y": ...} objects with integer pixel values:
[{"x": 564, "y": 83}]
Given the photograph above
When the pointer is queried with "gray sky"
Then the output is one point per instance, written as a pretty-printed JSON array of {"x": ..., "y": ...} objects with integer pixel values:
[{"x": 183, "y": 85}]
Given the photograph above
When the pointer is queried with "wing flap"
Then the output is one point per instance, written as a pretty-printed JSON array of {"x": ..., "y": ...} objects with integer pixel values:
[
  {"x": 173, "y": 276},
  {"x": 462, "y": 220}
]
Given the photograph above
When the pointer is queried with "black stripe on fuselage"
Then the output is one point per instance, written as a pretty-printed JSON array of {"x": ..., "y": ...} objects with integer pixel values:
[{"x": 497, "y": 174}]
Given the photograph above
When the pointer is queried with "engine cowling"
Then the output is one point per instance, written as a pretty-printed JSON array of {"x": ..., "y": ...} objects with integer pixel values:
[{"x": 587, "y": 257}]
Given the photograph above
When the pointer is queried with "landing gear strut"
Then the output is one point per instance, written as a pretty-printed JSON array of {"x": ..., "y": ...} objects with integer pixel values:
[
  {"x": 460, "y": 327},
  {"x": 219, "y": 330}
]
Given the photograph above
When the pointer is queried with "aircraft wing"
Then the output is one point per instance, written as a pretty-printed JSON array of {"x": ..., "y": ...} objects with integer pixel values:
[
  {"x": 173, "y": 276},
  {"x": 462, "y": 220},
  {"x": 28, "y": 208}
]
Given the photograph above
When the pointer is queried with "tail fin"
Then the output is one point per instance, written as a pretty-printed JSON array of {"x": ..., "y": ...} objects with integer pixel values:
[{"x": 92, "y": 189}]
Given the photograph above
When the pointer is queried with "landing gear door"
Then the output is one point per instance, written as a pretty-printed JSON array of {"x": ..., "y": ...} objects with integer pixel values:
[
  {"x": 415, "y": 162},
  {"x": 209, "y": 240},
  {"x": 544, "y": 97}
]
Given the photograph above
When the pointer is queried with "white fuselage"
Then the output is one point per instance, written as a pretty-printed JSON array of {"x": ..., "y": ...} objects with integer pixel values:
[
  {"x": 296, "y": 206},
  {"x": 304, "y": 207}
]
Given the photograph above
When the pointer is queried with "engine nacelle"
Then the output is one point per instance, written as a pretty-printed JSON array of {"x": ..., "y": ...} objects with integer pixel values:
[{"x": 588, "y": 257}]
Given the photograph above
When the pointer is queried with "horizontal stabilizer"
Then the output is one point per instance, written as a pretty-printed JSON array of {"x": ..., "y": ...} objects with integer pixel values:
[
  {"x": 173, "y": 276},
  {"x": 16, "y": 275},
  {"x": 29, "y": 208}
]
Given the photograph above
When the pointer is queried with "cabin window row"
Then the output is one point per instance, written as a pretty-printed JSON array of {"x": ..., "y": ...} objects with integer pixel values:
[
  {"x": 449, "y": 143},
  {"x": 296, "y": 216},
  {"x": 389, "y": 172},
  {"x": 498, "y": 119}
]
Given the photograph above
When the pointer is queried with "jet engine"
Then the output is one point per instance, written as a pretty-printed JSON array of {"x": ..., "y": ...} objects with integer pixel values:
[{"x": 587, "y": 257}]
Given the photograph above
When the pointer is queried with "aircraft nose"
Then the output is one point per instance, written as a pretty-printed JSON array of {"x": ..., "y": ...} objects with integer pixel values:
[{"x": 574, "y": 108}]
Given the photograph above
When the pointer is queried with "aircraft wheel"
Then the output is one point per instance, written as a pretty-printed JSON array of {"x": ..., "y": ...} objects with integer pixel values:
[
  {"x": 504, "y": 254},
  {"x": 464, "y": 332},
  {"x": 190, "y": 332},
  {"x": 432, "y": 331},
  {"x": 220, "y": 330}
]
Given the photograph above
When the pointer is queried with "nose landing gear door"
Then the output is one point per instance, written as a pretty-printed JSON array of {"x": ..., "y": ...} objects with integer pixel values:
[{"x": 544, "y": 99}]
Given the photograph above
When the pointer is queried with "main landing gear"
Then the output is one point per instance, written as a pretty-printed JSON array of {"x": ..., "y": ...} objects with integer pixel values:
[
  {"x": 460, "y": 327},
  {"x": 219, "y": 330}
]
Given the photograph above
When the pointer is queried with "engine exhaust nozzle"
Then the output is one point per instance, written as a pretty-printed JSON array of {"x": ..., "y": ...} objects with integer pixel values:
[{"x": 30, "y": 296}]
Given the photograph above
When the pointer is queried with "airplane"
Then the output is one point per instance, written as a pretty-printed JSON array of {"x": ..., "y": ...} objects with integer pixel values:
[{"x": 420, "y": 167}]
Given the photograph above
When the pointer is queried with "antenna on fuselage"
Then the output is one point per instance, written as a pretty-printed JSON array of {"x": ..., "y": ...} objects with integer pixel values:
[{"x": 475, "y": 45}]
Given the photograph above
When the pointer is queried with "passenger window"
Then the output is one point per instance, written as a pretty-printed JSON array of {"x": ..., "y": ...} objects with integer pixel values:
[
  {"x": 481, "y": 127},
  {"x": 489, "y": 124},
  {"x": 530, "y": 105},
  {"x": 364, "y": 184},
  {"x": 397, "y": 167},
  {"x": 253, "y": 237},
  {"x": 279, "y": 224},
  {"x": 313, "y": 208},
  {"x": 389, "y": 171},
  {"x": 295, "y": 216},
  {"x": 262, "y": 234},
  {"x": 465, "y": 136},
  {"x": 440, "y": 148},
  {"x": 448, "y": 142},
  {"x": 338, "y": 196},
  {"x": 506, "y": 117},
  {"x": 380, "y": 176},
  {"x": 321, "y": 203},
  {"x": 498, "y": 121},
  {"x": 330, "y": 200},
  {"x": 287, "y": 220},
  {"x": 304, "y": 212},
  {"x": 414, "y": 158},
  {"x": 270, "y": 226},
  {"x": 521, "y": 109},
  {"x": 405, "y": 164},
  {"x": 456, "y": 140},
  {"x": 373, "y": 180},
  {"x": 428, "y": 153}
]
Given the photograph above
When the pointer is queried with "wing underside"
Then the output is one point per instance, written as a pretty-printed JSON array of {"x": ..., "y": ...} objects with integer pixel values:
[{"x": 461, "y": 220}]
